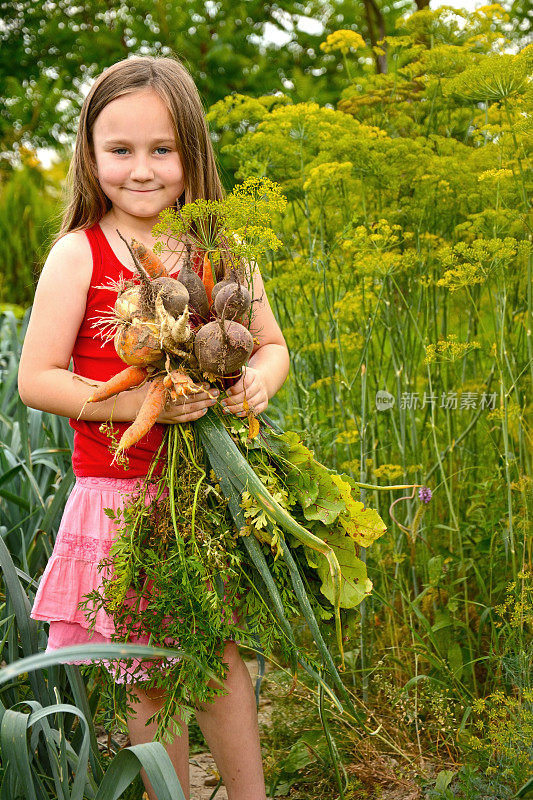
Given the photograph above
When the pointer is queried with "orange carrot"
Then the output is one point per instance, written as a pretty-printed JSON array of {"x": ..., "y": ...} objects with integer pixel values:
[
  {"x": 152, "y": 264},
  {"x": 183, "y": 383},
  {"x": 148, "y": 413},
  {"x": 207, "y": 278},
  {"x": 127, "y": 379}
]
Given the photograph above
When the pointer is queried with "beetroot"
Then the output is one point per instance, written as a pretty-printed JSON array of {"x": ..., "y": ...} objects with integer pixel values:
[
  {"x": 193, "y": 283},
  {"x": 220, "y": 285},
  {"x": 232, "y": 300},
  {"x": 173, "y": 294},
  {"x": 222, "y": 347}
]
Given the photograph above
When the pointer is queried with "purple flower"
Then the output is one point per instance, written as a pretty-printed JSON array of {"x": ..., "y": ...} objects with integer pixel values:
[{"x": 424, "y": 494}]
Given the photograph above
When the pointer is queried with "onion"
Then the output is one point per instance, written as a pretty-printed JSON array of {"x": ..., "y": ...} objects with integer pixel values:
[
  {"x": 128, "y": 303},
  {"x": 137, "y": 343}
]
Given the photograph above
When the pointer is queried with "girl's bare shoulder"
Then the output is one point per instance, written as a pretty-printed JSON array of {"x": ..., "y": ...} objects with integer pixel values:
[{"x": 70, "y": 258}]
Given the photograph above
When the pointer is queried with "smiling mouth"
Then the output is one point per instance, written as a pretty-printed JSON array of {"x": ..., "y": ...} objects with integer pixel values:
[{"x": 142, "y": 191}]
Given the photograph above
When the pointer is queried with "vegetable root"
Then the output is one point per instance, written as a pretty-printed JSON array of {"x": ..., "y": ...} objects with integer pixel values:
[
  {"x": 127, "y": 379},
  {"x": 148, "y": 413},
  {"x": 152, "y": 264},
  {"x": 207, "y": 278},
  {"x": 136, "y": 344},
  {"x": 180, "y": 383}
]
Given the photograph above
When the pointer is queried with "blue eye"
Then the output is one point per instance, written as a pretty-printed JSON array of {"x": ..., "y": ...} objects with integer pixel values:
[{"x": 157, "y": 148}]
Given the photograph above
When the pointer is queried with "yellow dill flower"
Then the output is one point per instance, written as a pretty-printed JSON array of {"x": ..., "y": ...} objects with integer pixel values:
[
  {"x": 495, "y": 173},
  {"x": 448, "y": 349},
  {"x": 343, "y": 40},
  {"x": 472, "y": 263},
  {"x": 494, "y": 78},
  {"x": 352, "y": 466},
  {"x": 493, "y": 11},
  {"x": 322, "y": 383},
  {"x": 461, "y": 276},
  {"x": 347, "y": 437},
  {"x": 390, "y": 471},
  {"x": 324, "y": 175}
]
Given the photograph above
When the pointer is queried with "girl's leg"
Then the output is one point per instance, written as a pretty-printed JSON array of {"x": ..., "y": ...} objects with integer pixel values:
[
  {"x": 229, "y": 725},
  {"x": 149, "y": 702}
]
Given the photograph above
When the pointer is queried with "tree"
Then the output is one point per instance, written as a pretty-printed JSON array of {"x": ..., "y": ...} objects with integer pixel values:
[{"x": 50, "y": 52}]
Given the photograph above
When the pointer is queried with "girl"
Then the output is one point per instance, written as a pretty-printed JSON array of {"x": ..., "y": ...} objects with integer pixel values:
[{"x": 142, "y": 146}]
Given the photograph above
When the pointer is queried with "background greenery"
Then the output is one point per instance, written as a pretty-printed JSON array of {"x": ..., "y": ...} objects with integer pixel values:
[{"x": 406, "y": 269}]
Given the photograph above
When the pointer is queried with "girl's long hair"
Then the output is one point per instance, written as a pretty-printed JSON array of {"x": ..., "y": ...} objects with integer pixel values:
[{"x": 86, "y": 202}]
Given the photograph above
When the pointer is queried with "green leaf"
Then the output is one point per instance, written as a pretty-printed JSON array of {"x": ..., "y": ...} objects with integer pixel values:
[
  {"x": 127, "y": 764},
  {"x": 311, "y": 483},
  {"x": 300, "y": 755},
  {"x": 526, "y": 789},
  {"x": 363, "y": 525},
  {"x": 455, "y": 659},
  {"x": 355, "y": 584},
  {"x": 444, "y": 778}
]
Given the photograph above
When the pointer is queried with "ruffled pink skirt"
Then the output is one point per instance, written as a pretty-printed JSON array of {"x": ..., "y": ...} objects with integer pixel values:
[{"x": 84, "y": 538}]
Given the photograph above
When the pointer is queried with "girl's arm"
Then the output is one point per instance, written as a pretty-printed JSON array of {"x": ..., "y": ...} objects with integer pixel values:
[
  {"x": 44, "y": 379},
  {"x": 268, "y": 366}
]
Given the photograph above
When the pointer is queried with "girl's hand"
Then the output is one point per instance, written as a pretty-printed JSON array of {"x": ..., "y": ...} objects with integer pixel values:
[
  {"x": 250, "y": 386},
  {"x": 189, "y": 408}
]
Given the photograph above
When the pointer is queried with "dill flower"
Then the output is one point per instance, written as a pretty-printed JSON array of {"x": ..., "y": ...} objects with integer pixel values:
[
  {"x": 493, "y": 79},
  {"x": 448, "y": 349},
  {"x": 327, "y": 174},
  {"x": 343, "y": 40}
]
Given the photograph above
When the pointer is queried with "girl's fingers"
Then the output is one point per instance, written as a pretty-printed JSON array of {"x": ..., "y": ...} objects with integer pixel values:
[
  {"x": 249, "y": 394},
  {"x": 256, "y": 405},
  {"x": 192, "y": 416},
  {"x": 190, "y": 408},
  {"x": 200, "y": 396},
  {"x": 239, "y": 406}
]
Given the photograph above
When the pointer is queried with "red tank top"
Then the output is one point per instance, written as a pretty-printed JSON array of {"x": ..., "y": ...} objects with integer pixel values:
[{"x": 94, "y": 358}]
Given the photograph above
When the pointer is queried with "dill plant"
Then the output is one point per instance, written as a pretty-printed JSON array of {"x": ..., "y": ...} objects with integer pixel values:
[{"x": 407, "y": 268}]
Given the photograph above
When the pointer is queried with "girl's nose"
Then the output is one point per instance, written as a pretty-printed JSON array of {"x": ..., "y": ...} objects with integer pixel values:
[{"x": 141, "y": 169}]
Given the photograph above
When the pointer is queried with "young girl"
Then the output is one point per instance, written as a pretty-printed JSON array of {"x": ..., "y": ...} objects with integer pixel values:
[{"x": 142, "y": 146}]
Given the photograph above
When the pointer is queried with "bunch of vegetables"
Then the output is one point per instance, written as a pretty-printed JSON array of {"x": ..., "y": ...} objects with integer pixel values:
[
  {"x": 247, "y": 522},
  {"x": 173, "y": 333}
]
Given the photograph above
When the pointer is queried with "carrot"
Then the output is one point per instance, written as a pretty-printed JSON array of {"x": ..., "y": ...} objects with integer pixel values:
[
  {"x": 183, "y": 384},
  {"x": 152, "y": 264},
  {"x": 127, "y": 379},
  {"x": 207, "y": 278},
  {"x": 148, "y": 413}
]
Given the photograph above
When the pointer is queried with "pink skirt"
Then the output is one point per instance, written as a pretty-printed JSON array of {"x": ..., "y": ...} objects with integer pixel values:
[{"x": 84, "y": 538}]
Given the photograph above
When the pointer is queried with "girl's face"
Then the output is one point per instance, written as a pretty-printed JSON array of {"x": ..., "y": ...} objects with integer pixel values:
[{"x": 135, "y": 155}]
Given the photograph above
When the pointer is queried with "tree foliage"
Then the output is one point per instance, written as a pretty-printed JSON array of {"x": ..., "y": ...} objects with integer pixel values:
[
  {"x": 29, "y": 209},
  {"x": 50, "y": 52}
]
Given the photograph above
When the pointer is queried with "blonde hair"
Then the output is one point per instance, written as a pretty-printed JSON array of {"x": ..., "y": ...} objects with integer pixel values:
[{"x": 86, "y": 202}]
